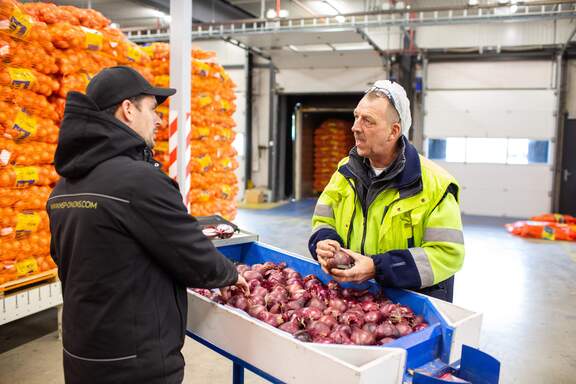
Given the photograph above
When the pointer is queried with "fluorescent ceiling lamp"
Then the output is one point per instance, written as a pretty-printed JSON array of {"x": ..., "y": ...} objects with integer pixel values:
[
  {"x": 323, "y": 8},
  {"x": 283, "y": 13},
  {"x": 271, "y": 14},
  {"x": 340, "y": 19},
  {"x": 472, "y": 2},
  {"x": 311, "y": 48},
  {"x": 362, "y": 46}
]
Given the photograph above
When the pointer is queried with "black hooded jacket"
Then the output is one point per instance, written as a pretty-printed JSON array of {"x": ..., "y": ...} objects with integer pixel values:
[{"x": 126, "y": 248}]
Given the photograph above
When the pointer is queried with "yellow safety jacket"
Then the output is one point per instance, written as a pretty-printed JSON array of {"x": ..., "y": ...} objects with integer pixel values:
[{"x": 408, "y": 220}]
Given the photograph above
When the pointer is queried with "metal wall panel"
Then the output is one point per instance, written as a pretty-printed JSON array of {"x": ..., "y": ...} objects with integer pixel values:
[{"x": 490, "y": 113}]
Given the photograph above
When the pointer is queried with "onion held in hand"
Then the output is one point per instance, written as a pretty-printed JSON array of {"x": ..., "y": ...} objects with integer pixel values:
[{"x": 341, "y": 260}]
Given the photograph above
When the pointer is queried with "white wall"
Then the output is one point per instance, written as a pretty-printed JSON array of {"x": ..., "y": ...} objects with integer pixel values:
[
  {"x": 512, "y": 99},
  {"x": 328, "y": 80},
  {"x": 260, "y": 125},
  {"x": 494, "y": 34}
]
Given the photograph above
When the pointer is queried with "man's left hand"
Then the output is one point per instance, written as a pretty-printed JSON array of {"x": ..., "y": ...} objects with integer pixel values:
[{"x": 362, "y": 270}]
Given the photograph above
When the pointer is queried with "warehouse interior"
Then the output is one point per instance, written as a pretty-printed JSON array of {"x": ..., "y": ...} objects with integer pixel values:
[{"x": 492, "y": 91}]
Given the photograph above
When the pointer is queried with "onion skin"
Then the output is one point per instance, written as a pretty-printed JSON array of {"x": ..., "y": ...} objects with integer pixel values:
[
  {"x": 329, "y": 321},
  {"x": 341, "y": 260},
  {"x": 291, "y": 327},
  {"x": 373, "y": 317},
  {"x": 385, "y": 340},
  {"x": 338, "y": 304},
  {"x": 361, "y": 337},
  {"x": 318, "y": 328}
]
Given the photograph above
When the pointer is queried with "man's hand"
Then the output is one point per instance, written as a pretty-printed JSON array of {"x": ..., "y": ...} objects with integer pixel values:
[
  {"x": 241, "y": 284},
  {"x": 362, "y": 270},
  {"x": 326, "y": 249}
]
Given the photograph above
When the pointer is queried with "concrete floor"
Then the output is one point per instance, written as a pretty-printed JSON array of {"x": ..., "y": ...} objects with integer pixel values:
[{"x": 526, "y": 290}]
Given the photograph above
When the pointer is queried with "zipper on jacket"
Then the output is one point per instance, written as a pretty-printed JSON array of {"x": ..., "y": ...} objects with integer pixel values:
[{"x": 353, "y": 215}]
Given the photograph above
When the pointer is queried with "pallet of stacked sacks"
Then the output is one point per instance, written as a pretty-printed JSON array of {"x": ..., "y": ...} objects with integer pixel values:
[
  {"x": 45, "y": 52},
  {"x": 333, "y": 139},
  {"x": 214, "y": 185}
]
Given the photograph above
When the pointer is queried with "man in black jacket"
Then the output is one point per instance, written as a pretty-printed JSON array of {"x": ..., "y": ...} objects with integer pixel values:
[{"x": 125, "y": 245}]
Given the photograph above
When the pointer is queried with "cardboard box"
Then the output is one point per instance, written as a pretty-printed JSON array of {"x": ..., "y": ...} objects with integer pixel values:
[{"x": 255, "y": 196}]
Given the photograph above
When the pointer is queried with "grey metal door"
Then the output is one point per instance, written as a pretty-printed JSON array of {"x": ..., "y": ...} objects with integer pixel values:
[{"x": 568, "y": 176}]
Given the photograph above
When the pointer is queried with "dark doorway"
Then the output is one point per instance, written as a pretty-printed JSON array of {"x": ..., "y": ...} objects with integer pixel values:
[
  {"x": 568, "y": 172},
  {"x": 339, "y": 106}
]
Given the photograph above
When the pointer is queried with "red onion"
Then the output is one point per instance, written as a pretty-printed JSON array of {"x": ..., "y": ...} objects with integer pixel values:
[
  {"x": 309, "y": 313},
  {"x": 322, "y": 340},
  {"x": 329, "y": 320},
  {"x": 255, "y": 309},
  {"x": 275, "y": 297},
  {"x": 370, "y": 306},
  {"x": 420, "y": 327},
  {"x": 291, "y": 274},
  {"x": 252, "y": 275},
  {"x": 367, "y": 297},
  {"x": 241, "y": 268},
  {"x": 257, "y": 300},
  {"x": 291, "y": 327},
  {"x": 361, "y": 337},
  {"x": 315, "y": 302},
  {"x": 332, "y": 312},
  {"x": 352, "y": 318},
  {"x": 270, "y": 318},
  {"x": 373, "y": 317},
  {"x": 340, "y": 337},
  {"x": 259, "y": 291},
  {"x": 386, "y": 329},
  {"x": 252, "y": 284},
  {"x": 385, "y": 340},
  {"x": 301, "y": 294},
  {"x": 296, "y": 304},
  {"x": 370, "y": 327},
  {"x": 386, "y": 309},
  {"x": 416, "y": 320},
  {"x": 318, "y": 328},
  {"x": 404, "y": 329},
  {"x": 276, "y": 308},
  {"x": 239, "y": 302},
  {"x": 338, "y": 304},
  {"x": 340, "y": 260},
  {"x": 346, "y": 329},
  {"x": 258, "y": 268}
]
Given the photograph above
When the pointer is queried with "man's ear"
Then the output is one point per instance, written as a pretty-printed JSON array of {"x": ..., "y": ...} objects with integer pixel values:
[
  {"x": 125, "y": 112},
  {"x": 395, "y": 131}
]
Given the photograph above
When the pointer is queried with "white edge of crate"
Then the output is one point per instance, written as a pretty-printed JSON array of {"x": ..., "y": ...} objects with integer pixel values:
[
  {"x": 29, "y": 301},
  {"x": 466, "y": 324},
  {"x": 279, "y": 354}
]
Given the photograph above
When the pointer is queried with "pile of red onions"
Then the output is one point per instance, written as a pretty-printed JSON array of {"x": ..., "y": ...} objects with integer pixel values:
[{"x": 314, "y": 312}]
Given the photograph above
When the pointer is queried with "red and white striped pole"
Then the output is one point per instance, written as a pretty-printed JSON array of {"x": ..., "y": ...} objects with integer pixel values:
[{"x": 180, "y": 79}]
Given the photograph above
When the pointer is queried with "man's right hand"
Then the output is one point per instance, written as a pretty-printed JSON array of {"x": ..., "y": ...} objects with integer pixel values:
[{"x": 326, "y": 249}]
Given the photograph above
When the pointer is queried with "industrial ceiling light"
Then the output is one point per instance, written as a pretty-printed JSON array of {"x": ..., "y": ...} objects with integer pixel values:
[
  {"x": 340, "y": 19},
  {"x": 271, "y": 14},
  {"x": 283, "y": 13},
  {"x": 472, "y": 3}
]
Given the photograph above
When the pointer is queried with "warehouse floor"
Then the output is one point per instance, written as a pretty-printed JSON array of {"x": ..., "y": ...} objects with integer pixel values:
[{"x": 526, "y": 290}]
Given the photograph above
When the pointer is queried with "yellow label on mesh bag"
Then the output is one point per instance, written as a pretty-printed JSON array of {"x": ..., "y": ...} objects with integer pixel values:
[
  {"x": 548, "y": 233},
  {"x": 203, "y": 131},
  {"x": 227, "y": 133},
  {"x": 226, "y": 190},
  {"x": 205, "y": 161},
  {"x": 204, "y": 101},
  {"x": 93, "y": 39},
  {"x": 21, "y": 78},
  {"x": 226, "y": 163},
  {"x": 87, "y": 77},
  {"x": 203, "y": 197},
  {"x": 25, "y": 125},
  {"x": 149, "y": 49},
  {"x": 27, "y": 222},
  {"x": 203, "y": 68},
  {"x": 19, "y": 24},
  {"x": 225, "y": 105},
  {"x": 26, "y": 266},
  {"x": 134, "y": 53},
  {"x": 26, "y": 176}
]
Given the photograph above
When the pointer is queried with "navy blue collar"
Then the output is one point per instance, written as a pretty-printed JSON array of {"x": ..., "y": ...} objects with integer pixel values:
[{"x": 411, "y": 173}]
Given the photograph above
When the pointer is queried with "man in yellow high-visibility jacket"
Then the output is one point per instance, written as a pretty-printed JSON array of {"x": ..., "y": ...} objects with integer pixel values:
[{"x": 395, "y": 212}]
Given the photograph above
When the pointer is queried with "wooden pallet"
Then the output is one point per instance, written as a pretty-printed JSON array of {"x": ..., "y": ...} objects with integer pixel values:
[{"x": 27, "y": 280}]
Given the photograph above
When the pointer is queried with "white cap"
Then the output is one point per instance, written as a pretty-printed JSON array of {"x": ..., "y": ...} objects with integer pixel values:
[{"x": 398, "y": 98}]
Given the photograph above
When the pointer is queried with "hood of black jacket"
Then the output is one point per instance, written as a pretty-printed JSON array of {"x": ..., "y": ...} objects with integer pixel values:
[{"x": 89, "y": 136}]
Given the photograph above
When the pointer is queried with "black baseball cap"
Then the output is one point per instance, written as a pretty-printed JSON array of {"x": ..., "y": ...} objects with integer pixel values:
[{"x": 113, "y": 85}]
